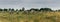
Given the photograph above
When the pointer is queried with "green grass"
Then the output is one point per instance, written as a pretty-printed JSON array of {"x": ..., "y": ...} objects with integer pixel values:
[{"x": 30, "y": 17}]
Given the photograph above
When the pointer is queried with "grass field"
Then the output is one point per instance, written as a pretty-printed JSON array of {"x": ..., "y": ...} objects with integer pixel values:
[{"x": 30, "y": 17}]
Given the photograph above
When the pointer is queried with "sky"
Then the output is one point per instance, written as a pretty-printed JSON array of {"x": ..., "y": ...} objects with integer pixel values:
[{"x": 18, "y": 4}]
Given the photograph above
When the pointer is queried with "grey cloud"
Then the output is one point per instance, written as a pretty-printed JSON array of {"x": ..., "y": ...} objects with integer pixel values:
[
  {"x": 41, "y": 1},
  {"x": 29, "y": 3},
  {"x": 9, "y": 2}
]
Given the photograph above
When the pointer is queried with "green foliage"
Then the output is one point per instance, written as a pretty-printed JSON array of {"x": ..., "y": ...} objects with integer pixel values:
[
  {"x": 12, "y": 10},
  {"x": 45, "y": 9},
  {"x": 5, "y": 9},
  {"x": 34, "y": 9},
  {"x": 20, "y": 10},
  {"x": 1, "y": 9},
  {"x": 23, "y": 9},
  {"x": 9, "y": 9},
  {"x": 16, "y": 9}
]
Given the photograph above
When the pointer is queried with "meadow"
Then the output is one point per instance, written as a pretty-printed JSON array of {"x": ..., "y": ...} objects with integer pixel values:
[{"x": 35, "y": 16}]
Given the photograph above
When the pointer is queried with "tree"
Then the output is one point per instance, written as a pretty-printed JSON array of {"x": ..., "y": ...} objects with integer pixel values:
[
  {"x": 1, "y": 9},
  {"x": 58, "y": 10},
  {"x": 9, "y": 9},
  {"x": 34, "y": 9},
  {"x": 12, "y": 9},
  {"x": 5, "y": 9},
  {"x": 45, "y": 9},
  {"x": 20, "y": 10},
  {"x": 17, "y": 10},
  {"x": 23, "y": 9}
]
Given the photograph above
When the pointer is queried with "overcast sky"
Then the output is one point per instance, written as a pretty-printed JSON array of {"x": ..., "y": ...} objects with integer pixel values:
[{"x": 17, "y": 4}]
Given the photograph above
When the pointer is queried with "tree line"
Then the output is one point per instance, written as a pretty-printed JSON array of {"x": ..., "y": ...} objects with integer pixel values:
[{"x": 23, "y": 9}]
